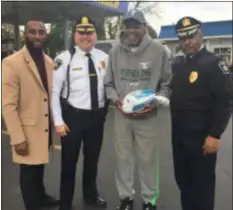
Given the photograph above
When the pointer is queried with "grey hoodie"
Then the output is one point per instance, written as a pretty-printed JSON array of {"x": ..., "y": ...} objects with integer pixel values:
[{"x": 146, "y": 68}]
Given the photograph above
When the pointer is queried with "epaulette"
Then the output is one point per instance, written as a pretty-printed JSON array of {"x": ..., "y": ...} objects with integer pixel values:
[{"x": 208, "y": 58}]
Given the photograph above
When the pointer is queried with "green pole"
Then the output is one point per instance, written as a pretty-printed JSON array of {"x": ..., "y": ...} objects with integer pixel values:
[{"x": 157, "y": 192}]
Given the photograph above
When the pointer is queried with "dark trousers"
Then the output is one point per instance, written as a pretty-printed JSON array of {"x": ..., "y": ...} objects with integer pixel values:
[
  {"x": 194, "y": 171},
  {"x": 31, "y": 184},
  {"x": 86, "y": 127}
]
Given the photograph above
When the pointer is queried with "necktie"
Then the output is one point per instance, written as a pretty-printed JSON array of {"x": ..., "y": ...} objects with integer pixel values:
[
  {"x": 188, "y": 58},
  {"x": 93, "y": 83}
]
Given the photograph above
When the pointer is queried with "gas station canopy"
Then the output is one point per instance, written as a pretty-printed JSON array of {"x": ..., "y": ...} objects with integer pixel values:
[
  {"x": 22, "y": 11},
  {"x": 19, "y": 12},
  {"x": 117, "y": 7}
]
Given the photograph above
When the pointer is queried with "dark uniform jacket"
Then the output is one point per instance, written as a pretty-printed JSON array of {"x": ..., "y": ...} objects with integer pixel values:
[{"x": 201, "y": 93}]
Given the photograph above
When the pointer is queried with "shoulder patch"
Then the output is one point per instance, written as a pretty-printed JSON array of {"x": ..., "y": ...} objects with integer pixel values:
[
  {"x": 58, "y": 63},
  {"x": 224, "y": 67}
]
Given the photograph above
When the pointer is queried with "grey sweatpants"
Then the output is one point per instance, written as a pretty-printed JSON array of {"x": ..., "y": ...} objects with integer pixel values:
[{"x": 136, "y": 143}]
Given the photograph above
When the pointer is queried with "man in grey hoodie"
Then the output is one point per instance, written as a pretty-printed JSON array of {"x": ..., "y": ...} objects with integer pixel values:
[{"x": 136, "y": 63}]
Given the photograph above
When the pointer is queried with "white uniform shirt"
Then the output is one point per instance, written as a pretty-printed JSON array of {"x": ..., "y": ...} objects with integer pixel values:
[{"x": 79, "y": 81}]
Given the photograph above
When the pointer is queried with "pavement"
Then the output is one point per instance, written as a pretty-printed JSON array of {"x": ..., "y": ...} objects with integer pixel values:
[{"x": 169, "y": 194}]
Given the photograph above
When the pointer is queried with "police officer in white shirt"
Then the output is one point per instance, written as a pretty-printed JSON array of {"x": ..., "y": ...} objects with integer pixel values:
[{"x": 78, "y": 107}]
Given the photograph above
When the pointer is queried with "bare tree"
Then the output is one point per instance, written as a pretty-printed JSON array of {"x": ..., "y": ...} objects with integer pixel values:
[
  {"x": 137, "y": 4},
  {"x": 113, "y": 25},
  {"x": 7, "y": 31},
  {"x": 148, "y": 7},
  {"x": 153, "y": 34}
]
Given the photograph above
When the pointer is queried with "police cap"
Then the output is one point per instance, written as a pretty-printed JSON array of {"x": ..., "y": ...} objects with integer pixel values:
[
  {"x": 187, "y": 27},
  {"x": 85, "y": 25}
]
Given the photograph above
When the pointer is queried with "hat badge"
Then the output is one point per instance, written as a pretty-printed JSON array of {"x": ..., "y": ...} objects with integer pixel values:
[
  {"x": 84, "y": 20},
  {"x": 186, "y": 22}
]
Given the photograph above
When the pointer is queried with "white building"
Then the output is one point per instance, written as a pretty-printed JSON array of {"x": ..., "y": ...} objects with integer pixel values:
[{"x": 217, "y": 38}]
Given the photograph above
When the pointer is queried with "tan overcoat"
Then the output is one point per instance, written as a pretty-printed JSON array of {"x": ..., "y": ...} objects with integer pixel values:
[{"x": 25, "y": 105}]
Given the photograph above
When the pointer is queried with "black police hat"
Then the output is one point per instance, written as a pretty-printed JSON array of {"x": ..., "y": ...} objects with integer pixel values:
[
  {"x": 187, "y": 27},
  {"x": 85, "y": 24}
]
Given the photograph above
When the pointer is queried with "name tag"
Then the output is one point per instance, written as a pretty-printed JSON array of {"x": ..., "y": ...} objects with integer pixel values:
[{"x": 76, "y": 68}]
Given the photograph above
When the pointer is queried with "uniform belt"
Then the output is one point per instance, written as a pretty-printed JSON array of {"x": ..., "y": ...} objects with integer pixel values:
[{"x": 84, "y": 110}]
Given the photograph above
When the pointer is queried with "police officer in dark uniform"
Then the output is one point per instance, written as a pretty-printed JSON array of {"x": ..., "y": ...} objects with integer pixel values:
[
  {"x": 201, "y": 109},
  {"x": 79, "y": 109},
  {"x": 231, "y": 68}
]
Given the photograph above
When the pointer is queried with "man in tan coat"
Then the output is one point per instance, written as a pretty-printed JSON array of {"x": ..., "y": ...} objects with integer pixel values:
[{"x": 26, "y": 87}]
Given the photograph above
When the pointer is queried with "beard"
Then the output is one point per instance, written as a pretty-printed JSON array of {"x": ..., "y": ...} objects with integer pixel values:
[{"x": 30, "y": 45}]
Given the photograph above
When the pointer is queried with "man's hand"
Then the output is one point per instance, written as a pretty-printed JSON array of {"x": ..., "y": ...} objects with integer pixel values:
[
  {"x": 147, "y": 109},
  {"x": 119, "y": 104},
  {"x": 21, "y": 149},
  {"x": 211, "y": 145},
  {"x": 62, "y": 130}
]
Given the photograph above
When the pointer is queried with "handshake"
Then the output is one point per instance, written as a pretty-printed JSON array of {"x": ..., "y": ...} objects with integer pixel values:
[{"x": 141, "y": 101}]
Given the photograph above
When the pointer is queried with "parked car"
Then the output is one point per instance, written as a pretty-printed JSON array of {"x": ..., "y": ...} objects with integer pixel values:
[{"x": 105, "y": 45}]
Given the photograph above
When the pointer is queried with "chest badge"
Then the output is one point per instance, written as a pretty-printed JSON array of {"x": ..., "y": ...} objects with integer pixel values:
[
  {"x": 102, "y": 64},
  {"x": 193, "y": 76}
]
